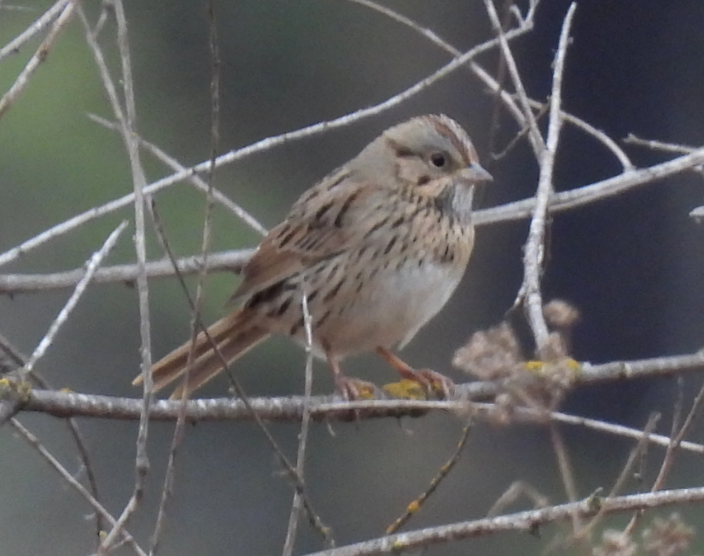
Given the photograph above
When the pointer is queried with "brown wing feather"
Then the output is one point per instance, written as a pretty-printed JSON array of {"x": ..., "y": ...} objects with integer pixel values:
[{"x": 329, "y": 218}]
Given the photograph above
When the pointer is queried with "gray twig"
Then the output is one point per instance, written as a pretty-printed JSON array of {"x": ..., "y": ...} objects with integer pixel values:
[
  {"x": 534, "y": 253},
  {"x": 62, "y": 317},
  {"x": 39, "y": 56}
]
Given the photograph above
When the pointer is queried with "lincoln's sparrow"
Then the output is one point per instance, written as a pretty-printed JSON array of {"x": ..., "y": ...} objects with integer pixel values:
[{"x": 378, "y": 247}]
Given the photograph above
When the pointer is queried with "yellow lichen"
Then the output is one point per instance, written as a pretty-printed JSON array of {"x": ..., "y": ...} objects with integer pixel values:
[{"x": 406, "y": 390}]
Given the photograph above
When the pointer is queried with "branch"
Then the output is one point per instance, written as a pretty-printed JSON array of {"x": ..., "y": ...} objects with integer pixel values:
[
  {"x": 63, "y": 404},
  {"x": 13, "y": 47},
  {"x": 232, "y": 261},
  {"x": 536, "y": 139},
  {"x": 39, "y": 56},
  {"x": 528, "y": 521},
  {"x": 494, "y": 86},
  {"x": 535, "y": 245},
  {"x": 77, "y": 486},
  {"x": 127, "y": 120},
  {"x": 91, "y": 267},
  {"x": 235, "y": 260},
  {"x": 196, "y": 180},
  {"x": 597, "y": 191}
]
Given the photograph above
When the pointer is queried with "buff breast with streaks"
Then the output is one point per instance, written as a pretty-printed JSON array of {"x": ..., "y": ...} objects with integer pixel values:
[{"x": 377, "y": 247}]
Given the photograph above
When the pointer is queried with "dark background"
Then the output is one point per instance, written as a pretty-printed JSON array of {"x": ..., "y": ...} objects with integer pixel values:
[{"x": 632, "y": 265}]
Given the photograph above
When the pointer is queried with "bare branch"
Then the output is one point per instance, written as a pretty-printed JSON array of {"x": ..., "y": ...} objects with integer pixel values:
[
  {"x": 128, "y": 127},
  {"x": 535, "y": 245},
  {"x": 658, "y": 145},
  {"x": 196, "y": 180},
  {"x": 298, "y": 497},
  {"x": 536, "y": 139},
  {"x": 598, "y": 191},
  {"x": 564, "y": 464},
  {"x": 519, "y": 210},
  {"x": 527, "y": 521},
  {"x": 39, "y": 56},
  {"x": 38, "y": 26},
  {"x": 445, "y": 470},
  {"x": 78, "y": 487},
  {"x": 70, "y": 305},
  {"x": 231, "y": 261},
  {"x": 62, "y": 404}
]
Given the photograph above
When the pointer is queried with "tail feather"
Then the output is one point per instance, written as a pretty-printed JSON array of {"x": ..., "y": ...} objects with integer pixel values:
[{"x": 233, "y": 335}]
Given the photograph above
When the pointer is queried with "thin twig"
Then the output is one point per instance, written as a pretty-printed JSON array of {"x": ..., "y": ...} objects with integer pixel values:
[
  {"x": 671, "y": 452},
  {"x": 676, "y": 432},
  {"x": 566, "y": 470},
  {"x": 196, "y": 180},
  {"x": 18, "y": 359},
  {"x": 13, "y": 47},
  {"x": 128, "y": 129},
  {"x": 205, "y": 251},
  {"x": 62, "y": 317},
  {"x": 535, "y": 245},
  {"x": 512, "y": 493},
  {"x": 605, "y": 140},
  {"x": 39, "y": 56},
  {"x": 78, "y": 487},
  {"x": 623, "y": 431},
  {"x": 598, "y": 191},
  {"x": 534, "y": 135},
  {"x": 524, "y": 522},
  {"x": 636, "y": 454},
  {"x": 632, "y": 139},
  {"x": 678, "y": 438},
  {"x": 230, "y": 261},
  {"x": 297, "y": 504},
  {"x": 417, "y": 504}
]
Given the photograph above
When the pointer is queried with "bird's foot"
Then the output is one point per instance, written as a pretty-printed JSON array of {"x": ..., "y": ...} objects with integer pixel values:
[
  {"x": 436, "y": 385},
  {"x": 352, "y": 389}
]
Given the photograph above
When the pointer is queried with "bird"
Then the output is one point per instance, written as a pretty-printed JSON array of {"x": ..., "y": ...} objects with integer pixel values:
[{"x": 377, "y": 248}]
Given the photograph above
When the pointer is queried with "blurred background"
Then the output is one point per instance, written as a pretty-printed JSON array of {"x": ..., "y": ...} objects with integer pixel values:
[{"x": 633, "y": 265}]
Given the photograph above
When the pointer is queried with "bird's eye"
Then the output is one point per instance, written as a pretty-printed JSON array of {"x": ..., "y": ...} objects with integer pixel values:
[{"x": 439, "y": 160}]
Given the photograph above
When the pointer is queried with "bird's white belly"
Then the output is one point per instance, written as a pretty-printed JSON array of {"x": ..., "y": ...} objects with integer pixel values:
[{"x": 394, "y": 306}]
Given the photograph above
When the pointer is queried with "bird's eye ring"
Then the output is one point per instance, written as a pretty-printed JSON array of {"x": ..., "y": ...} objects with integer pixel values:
[{"x": 439, "y": 160}]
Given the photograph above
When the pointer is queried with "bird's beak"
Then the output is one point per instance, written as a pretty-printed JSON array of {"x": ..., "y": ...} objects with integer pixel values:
[{"x": 475, "y": 174}]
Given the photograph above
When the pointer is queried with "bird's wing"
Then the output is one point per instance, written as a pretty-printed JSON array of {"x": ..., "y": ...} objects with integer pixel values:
[{"x": 329, "y": 218}]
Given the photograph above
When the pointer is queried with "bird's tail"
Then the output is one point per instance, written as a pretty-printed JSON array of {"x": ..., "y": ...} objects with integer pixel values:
[{"x": 233, "y": 335}]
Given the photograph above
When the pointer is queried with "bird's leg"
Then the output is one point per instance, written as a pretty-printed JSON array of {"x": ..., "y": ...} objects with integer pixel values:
[
  {"x": 350, "y": 388},
  {"x": 435, "y": 384}
]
